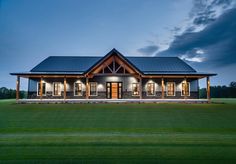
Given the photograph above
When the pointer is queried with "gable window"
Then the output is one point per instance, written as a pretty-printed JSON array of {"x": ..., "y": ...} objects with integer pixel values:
[
  {"x": 185, "y": 89},
  {"x": 135, "y": 89},
  {"x": 150, "y": 89},
  {"x": 93, "y": 89},
  {"x": 77, "y": 89},
  {"x": 43, "y": 90},
  {"x": 57, "y": 89},
  {"x": 170, "y": 89}
]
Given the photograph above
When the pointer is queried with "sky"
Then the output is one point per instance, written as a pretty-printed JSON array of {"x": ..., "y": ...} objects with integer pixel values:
[{"x": 201, "y": 32}]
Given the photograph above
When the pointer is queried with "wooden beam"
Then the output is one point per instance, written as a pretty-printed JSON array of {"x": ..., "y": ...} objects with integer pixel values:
[
  {"x": 87, "y": 88},
  {"x": 17, "y": 87},
  {"x": 41, "y": 88},
  {"x": 51, "y": 76},
  {"x": 140, "y": 87},
  {"x": 208, "y": 89},
  {"x": 162, "y": 88},
  {"x": 185, "y": 87},
  {"x": 172, "y": 76},
  {"x": 64, "y": 88}
]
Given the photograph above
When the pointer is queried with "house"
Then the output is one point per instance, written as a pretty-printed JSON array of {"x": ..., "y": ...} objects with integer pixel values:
[{"x": 113, "y": 76}]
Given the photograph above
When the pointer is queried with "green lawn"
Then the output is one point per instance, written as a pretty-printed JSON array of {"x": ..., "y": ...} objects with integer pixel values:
[{"x": 118, "y": 133}]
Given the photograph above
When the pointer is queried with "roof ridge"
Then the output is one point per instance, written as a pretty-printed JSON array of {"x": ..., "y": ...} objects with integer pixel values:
[{"x": 75, "y": 56}]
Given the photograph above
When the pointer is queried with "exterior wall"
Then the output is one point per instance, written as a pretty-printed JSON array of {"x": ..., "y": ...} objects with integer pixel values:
[
  {"x": 178, "y": 88},
  {"x": 32, "y": 88},
  {"x": 101, "y": 87}
]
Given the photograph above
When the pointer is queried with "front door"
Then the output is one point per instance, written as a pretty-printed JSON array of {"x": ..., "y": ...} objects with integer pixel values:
[{"x": 114, "y": 90}]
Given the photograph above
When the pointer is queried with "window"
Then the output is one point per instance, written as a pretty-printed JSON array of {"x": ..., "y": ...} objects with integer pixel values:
[
  {"x": 108, "y": 90},
  {"x": 120, "y": 90},
  {"x": 150, "y": 89},
  {"x": 78, "y": 89},
  {"x": 185, "y": 89},
  {"x": 171, "y": 89},
  {"x": 57, "y": 89},
  {"x": 135, "y": 89},
  {"x": 93, "y": 89},
  {"x": 44, "y": 89}
]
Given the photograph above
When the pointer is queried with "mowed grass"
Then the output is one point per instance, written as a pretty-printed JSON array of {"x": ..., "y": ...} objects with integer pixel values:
[{"x": 118, "y": 133}]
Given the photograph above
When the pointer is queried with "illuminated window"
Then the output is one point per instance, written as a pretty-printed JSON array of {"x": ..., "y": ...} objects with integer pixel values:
[
  {"x": 150, "y": 89},
  {"x": 44, "y": 89},
  {"x": 93, "y": 89},
  {"x": 185, "y": 89},
  {"x": 120, "y": 90},
  {"x": 57, "y": 89},
  {"x": 135, "y": 89},
  {"x": 78, "y": 89},
  {"x": 171, "y": 89}
]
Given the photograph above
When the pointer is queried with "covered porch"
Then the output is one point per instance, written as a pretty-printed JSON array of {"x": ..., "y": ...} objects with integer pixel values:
[{"x": 140, "y": 98}]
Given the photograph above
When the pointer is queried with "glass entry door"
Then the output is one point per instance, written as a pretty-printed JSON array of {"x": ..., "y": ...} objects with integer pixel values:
[{"x": 114, "y": 90}]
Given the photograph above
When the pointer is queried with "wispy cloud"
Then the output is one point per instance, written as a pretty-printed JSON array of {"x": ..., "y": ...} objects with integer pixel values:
[{"x": 148, "y": 50}]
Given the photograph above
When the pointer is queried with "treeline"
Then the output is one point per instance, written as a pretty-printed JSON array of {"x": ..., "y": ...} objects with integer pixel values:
[
  {"x": 220, "y": 91},
  {"x": 6, "y": 93}
]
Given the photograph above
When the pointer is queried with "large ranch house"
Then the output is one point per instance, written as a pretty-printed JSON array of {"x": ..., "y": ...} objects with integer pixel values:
[{"x": 113, "y": 76}]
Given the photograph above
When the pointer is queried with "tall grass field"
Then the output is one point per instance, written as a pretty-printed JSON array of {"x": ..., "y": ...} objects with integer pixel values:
[{"x": 118, "y": 133}]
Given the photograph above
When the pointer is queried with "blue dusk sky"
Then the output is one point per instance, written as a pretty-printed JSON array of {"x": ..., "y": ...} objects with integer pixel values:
[{"x": 201, "y": 32}]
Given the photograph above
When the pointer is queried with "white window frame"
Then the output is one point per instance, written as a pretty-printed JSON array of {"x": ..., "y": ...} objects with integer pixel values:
[
  {"x": 154, "y": 89},
  {"x": 81, "y": 88},
  {"x": 133, "y": 89},
  {"x": 167, "y": 89},
  {"x": 53, "y": 88},
  {"x": 90, "y": 88},
  {"x": 38, "y": 88},
  {"x": 188, "y": 89}
]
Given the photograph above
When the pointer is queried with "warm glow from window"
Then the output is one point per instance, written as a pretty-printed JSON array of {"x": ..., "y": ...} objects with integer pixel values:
[
  {"x": 185, "y": 88},
  {"x": 171, "y": 89},
  {"x": 135, "y": 89},
  {"x": 78, "y": 89},
  {"x": 150, "y": 89}
]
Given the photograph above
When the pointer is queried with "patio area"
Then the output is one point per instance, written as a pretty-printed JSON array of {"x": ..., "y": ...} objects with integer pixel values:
[{"x": 47, "y": 101}]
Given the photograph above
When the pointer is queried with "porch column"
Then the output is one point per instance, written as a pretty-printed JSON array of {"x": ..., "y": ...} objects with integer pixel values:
[
  {"x": 41, "y": 88},
  {"x": 64, "y": 88},
  {"x": 87, "y": 88},
  {"x": 17, "y": 87},
  {"x": 185, "y": 87},
  {"x": 162, "y": 88},
  {"x": 140, "y": 87},
  {"x": 208, "y": 89}
]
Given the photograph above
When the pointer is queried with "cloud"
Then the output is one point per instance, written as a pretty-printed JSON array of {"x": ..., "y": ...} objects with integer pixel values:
[
  {"x": 215, "y": 44},
  {"x": 201, "y": 15},
  {"x": 148, "y": 50}
]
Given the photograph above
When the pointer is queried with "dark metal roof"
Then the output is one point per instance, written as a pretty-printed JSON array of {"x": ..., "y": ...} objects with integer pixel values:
[
  {"x": 160, "y": 64},
  {"x": 82, "y": 64},
  {"x": 66, "y": 64}
]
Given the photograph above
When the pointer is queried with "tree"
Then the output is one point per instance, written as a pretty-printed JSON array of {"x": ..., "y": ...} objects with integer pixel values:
[{"x": 232, "y": 84}]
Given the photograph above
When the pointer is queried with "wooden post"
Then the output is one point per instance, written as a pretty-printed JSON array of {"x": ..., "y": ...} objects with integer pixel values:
[
  {"x": 87, "y": 88},
  {"x": 140, "y": 87},
  {"x": 208, "y": 89},
  {"x": 64, "y": 88},
  {"x": 162, "y": 88},
  {"x": 185, "y": 88},
  {"x": 41, "y": 88},
  {"x": 17, "y": 87}
]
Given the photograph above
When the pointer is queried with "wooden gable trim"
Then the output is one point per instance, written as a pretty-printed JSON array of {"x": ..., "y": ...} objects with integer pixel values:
[{"x": 112, "y": 56}]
